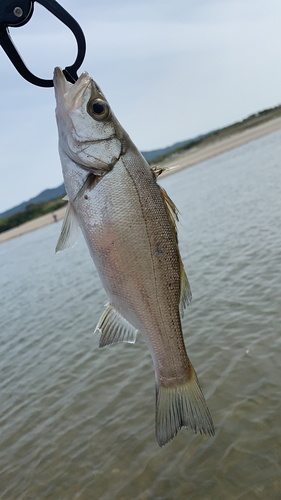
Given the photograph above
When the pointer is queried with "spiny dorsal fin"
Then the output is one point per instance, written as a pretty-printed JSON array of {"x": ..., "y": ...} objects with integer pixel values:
[
  {"x": 158, "y": 170},
  {"x": 114, "y": 328},
  {"x": 70, "y": 230},
  {"x": 173, "y": 216}
]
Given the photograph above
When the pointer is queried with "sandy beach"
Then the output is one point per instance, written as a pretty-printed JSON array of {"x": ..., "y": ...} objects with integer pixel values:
[
  {"x": 31, "y": 225},
  {"x": 183, "y": 160},
  {"x": 202, "y": 153}
]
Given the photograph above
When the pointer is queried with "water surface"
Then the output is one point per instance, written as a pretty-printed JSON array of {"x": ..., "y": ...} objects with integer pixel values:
[{"x": 78, "y": 422}]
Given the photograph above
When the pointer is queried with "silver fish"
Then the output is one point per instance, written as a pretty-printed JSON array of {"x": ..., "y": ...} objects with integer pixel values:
[{"x": 129, "y": 224}]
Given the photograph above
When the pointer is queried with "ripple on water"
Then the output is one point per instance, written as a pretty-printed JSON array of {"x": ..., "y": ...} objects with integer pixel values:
[{"x": 78, "y": 422}]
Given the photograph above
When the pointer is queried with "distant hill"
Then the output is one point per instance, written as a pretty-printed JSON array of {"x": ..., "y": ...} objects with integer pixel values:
[
  {"x": 50, "y": 194},
  {"x": 150, "y": 155},
  {"x": 160, "y": 154}
]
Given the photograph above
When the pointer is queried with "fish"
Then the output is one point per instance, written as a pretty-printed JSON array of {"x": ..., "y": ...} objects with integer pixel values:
[{"x": 130, "y": 226}]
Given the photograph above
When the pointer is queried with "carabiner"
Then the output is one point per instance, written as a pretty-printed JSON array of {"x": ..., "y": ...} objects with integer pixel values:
[{"x": 16, "y": 13}]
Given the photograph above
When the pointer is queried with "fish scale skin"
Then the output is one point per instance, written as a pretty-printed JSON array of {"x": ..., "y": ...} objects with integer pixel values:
[{"x": 125, "y": 223}]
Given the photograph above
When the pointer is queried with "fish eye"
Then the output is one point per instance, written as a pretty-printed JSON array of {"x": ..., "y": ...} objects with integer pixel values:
[{"x": 98, "y": 109}]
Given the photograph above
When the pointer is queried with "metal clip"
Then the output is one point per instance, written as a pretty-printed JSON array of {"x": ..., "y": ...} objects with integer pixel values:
[{"x": 16, "y": 13}]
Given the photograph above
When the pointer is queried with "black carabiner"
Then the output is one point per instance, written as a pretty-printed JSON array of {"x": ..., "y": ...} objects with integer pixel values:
[{"x": 16, "y": 13}]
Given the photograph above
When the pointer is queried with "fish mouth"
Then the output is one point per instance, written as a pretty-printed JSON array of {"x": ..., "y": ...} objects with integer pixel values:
[{"x": 71, "y": 94}]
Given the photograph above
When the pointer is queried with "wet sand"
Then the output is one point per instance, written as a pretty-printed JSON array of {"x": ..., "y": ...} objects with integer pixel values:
[{"x": 183, "y": 160}]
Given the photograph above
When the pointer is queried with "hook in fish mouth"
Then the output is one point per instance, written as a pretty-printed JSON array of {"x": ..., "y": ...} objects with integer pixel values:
[
  {"x": 71, "y": 93},
  {"x": 12, "y": 16}
]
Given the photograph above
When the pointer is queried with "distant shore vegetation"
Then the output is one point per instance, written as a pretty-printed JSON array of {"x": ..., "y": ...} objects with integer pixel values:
[
  {"x": 34, "y": 210},
  {"x": 216, "y": 135},
  {"x": 31, "y": 212}
]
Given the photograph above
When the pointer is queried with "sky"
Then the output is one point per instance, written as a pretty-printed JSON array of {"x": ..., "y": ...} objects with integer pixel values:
[{"x": 170, "y": 70}]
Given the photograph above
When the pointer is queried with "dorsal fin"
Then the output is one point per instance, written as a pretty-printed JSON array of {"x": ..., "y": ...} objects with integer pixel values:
[
  {"x": 172, "y": 212},
  {"x": 158, "y": 169},
  {"x": 173, "y": 216}
]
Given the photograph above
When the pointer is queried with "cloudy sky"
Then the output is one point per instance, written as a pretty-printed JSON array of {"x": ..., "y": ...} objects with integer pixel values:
[{"x": 170, "y": 70}]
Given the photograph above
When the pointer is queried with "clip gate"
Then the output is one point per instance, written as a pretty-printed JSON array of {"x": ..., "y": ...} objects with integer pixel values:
[{"x": 16, "y": 13}]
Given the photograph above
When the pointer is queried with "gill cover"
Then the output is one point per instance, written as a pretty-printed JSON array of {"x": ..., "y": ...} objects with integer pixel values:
[{"x": 89, "y": 133}]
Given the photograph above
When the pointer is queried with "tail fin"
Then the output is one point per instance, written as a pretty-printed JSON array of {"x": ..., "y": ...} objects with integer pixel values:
[{"x": 181, "y": 406}]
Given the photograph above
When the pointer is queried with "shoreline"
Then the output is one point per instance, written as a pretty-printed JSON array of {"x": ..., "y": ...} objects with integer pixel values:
[
  {"x": 219, "y": 146},
  {"x": 32, "y": 225},
  {"x": 183, "y": 160}
]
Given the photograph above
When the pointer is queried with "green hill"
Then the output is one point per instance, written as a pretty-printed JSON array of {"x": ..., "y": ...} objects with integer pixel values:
[
  {"x": 32, "y": 211},
  {"x": 50, "y": 199}
]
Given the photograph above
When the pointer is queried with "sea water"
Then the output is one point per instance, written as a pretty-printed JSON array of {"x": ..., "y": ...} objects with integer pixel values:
[{"x": 77, "y": 422}]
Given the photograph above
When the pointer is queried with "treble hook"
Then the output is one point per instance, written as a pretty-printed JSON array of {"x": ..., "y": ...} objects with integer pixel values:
[{"x": 16, "y": 13}]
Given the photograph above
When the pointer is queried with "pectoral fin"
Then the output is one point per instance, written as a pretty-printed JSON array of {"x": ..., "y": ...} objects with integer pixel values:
[
  {"x": 90, "y": 182},
  {"x": 70, "y": 230},
  {"x": 114, "y": 328}
]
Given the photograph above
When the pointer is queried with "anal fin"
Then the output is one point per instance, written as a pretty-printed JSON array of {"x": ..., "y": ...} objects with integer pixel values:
[{"x": 114, "y": 328}]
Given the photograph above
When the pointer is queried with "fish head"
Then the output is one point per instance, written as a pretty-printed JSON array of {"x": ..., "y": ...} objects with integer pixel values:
[{"x": 89, "y": 133}]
